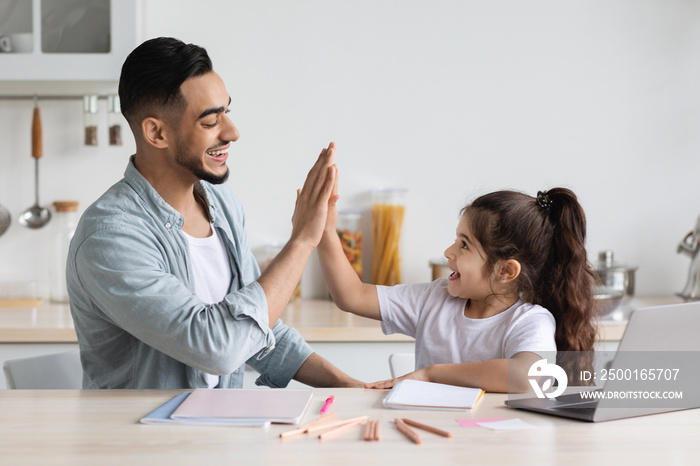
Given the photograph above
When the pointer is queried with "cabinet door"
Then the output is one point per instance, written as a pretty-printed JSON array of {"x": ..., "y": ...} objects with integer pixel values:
[{"x": 65, "y": 40}]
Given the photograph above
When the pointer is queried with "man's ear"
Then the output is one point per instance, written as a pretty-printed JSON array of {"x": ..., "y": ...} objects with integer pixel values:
[
  {"x": 508, "y": 270},
  {"x": 154, "y": 132}
]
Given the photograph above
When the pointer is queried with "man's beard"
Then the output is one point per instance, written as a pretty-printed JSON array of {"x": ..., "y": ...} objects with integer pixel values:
[{"x": 195, "y": 166}]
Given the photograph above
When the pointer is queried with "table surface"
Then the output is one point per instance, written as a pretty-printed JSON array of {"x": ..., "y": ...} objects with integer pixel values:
[
  {"x": 316, "y": 320},
  {"x": 102, "y": 427}
]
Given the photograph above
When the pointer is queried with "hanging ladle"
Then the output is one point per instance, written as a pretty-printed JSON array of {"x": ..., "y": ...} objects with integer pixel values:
[
  {"x": 5, "y": 219},
  {"x": 36, "y": 216}
]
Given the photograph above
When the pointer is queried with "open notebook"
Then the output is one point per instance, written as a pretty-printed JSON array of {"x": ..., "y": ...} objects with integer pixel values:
[
  {"x": 416, "y": 394},
  {"x": 241, "y": 407}
]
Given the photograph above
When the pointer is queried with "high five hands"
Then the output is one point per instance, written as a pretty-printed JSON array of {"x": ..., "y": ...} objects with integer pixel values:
[{"x": 311, "y": 209}]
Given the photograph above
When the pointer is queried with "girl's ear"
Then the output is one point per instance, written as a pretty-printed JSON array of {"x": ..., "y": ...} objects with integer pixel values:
[
  {"x": 508, "y": 271},
  {"x": 154, "y": 132}
]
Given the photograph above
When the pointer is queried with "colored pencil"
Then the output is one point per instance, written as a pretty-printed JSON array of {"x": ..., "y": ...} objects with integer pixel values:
[
  {"x": 432, "y": 429},
  {"x": 316, "y": 428},
  {"x": 341, "y": 429},
  {"x": 305, "y": 428},
  {"x": 407, "y": 431}
]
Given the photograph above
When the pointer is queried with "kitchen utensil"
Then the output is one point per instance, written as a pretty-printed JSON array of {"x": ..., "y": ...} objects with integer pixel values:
[
  {"x": 690, "y": 247},
  {"x": 5, "y": 219},
  {"x": 607, "y": 299},
  {"x": 614, "y": 275},
  {"x": 36, "y": 216}
]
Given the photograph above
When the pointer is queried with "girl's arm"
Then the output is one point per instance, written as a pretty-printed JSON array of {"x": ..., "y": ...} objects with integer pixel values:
[
  {"x": 491, "y": 375},
  {"x": 347, "y": 290}
]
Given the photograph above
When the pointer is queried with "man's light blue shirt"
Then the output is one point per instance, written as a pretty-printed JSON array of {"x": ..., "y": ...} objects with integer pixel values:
[{"x": 138, "y": 320}]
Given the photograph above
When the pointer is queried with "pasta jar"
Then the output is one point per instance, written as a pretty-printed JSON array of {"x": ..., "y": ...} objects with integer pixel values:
[
  {"x": 388, "y": 208},
  {"x": 350, "y": 234}
]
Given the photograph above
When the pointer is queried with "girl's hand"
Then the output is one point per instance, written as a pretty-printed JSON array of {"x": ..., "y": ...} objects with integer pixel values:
[
  {"x": 421, "y": 374},
  {"x": 332, "y": 215}
]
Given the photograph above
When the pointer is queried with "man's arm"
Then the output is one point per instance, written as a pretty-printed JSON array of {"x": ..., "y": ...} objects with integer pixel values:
[
  {"x": 282, "y": 275},
  {"x": 318, "y": 372}
]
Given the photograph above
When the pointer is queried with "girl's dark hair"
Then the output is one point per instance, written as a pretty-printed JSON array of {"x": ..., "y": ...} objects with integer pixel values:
[
  {"x": 153, "y": 73},
  {"x": 546, "y": 235}
]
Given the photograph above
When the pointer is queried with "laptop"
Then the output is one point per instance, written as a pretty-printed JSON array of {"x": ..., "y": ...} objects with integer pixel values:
[{"x": 655, "y": 370}]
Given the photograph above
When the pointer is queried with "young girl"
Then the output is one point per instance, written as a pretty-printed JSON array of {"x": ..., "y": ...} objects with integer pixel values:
[{"x": 520, "y": 288}]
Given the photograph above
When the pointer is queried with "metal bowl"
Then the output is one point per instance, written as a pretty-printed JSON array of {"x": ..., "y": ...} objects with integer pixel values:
[
  {"x": 607, "y": 299},
  {"x": 614, "y": 275}
]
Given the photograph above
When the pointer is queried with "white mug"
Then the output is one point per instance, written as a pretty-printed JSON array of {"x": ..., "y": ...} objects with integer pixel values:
[
  {"x": 5, "y": 44},
  {"x": 22, "y": 42}
]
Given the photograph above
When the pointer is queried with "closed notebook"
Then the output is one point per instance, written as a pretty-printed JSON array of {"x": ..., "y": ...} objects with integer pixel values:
[
  {"x": 239, "y": 405},
  {"x": 415, "y": 394},
  {"x": 161, "y": 415}
]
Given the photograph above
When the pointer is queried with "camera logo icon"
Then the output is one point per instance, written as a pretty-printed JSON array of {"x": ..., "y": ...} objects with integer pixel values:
[{"x": 547, "y": 374}]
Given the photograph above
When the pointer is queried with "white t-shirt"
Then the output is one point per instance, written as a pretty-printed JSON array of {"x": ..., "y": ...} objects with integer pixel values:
[
  {"x": 212, "y": 274},
  {"x": 427, "y": 312}
]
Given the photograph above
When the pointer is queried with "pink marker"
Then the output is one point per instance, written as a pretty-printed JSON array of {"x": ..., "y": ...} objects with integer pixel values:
[{"x": 327, "y": 404}]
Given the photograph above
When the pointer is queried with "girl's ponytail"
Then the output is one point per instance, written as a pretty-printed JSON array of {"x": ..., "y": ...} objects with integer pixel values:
[{"x": 566, "y": 287}]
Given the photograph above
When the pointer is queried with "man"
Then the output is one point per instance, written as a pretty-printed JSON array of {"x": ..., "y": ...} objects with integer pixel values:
[{"x": 164, "y": 290}]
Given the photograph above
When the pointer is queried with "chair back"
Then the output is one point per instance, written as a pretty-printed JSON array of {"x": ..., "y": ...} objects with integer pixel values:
[
  {"x": 50, "y": 371},
  {"x": 401, "y": 364}
]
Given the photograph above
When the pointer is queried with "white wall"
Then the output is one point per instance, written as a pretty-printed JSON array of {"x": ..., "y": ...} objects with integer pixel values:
[{"x": 450, "y": 99}]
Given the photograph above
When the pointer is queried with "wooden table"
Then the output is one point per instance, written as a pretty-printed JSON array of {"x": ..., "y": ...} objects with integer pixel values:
[{"x": 101, "y": 427}]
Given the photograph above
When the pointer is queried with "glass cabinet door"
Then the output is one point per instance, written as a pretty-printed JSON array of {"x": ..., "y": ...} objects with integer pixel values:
[{"x": 73, "y": 40}]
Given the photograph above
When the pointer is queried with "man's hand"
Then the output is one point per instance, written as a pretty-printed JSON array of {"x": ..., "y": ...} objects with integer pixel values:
[
  {"x": 308, "y": 222},
  {"x": 312, "y": 205}
]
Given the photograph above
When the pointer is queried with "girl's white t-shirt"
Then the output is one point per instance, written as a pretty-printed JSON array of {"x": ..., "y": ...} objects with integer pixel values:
[
  {"x": 427, "y": 312},
  {"x": 212, "y": 274}
]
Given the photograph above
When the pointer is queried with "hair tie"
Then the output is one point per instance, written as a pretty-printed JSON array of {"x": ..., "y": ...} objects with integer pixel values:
[{"x": 544, "y": 201}]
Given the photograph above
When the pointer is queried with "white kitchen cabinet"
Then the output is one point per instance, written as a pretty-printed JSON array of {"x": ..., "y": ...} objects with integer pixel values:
[{"x": 65, "y": 40}]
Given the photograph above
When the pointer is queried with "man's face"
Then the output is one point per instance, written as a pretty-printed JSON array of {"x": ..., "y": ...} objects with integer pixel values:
[{"x": 205, "y": 131}]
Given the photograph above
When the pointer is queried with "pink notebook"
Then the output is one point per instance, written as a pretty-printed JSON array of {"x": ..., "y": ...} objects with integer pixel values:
[{"x": 237, "y": 405}]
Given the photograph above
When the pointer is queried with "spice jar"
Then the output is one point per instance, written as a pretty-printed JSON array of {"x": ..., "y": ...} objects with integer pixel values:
[
  {"x": 350, "y": 233},
  {"x": 388, "y": 208},
  {"x": 90, "y": 119},
  {"x": 114, "y": 120},
  {"x": 62, "y": 229}
]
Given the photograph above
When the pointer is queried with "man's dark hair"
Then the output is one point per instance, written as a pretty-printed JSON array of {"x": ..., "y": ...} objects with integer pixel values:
[{"x": 153, "y": 73}]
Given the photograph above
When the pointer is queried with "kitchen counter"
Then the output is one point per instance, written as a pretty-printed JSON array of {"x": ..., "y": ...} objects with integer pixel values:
[
  {"x": 354, "y": 344},
  {"x": 316, "y": 320}
]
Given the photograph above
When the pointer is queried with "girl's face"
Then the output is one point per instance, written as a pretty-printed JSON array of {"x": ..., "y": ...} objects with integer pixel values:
[{"x": 466, "y": 259}]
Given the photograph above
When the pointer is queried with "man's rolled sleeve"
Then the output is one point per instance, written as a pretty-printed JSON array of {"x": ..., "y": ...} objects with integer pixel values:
[
  {"x": 250, "y": 302},
  {"x": 278, "y": 365}
]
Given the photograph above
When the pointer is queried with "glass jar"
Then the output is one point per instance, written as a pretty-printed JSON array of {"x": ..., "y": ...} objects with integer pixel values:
[
  {"x": 349, "y": 230},
  {"x": 90, "y": 119},
  {"x": 438, "y": 268},
  {"x": 114, "y": 120},
  {"x": 62, "y": 228},
  {"x": 388, "y": 209}
]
